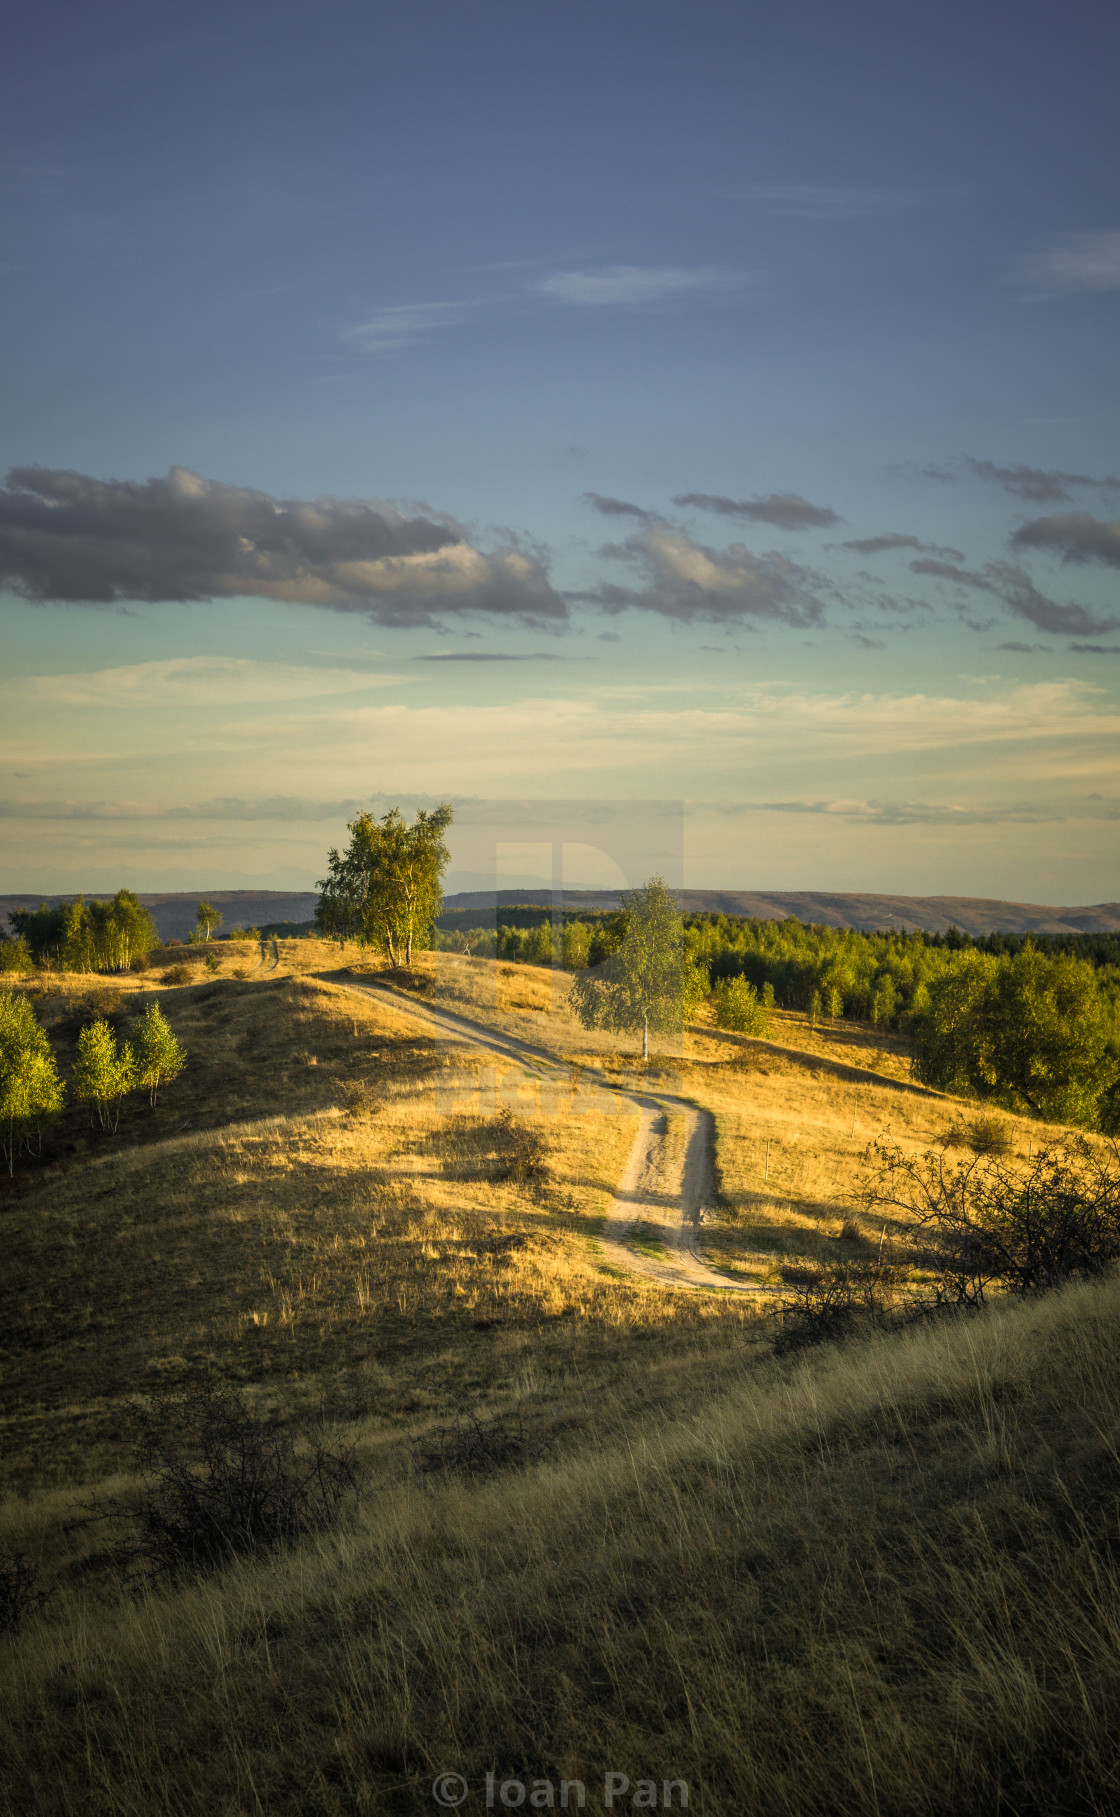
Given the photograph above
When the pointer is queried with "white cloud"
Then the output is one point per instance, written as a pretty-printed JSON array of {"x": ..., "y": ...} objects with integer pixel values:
[
  {"x": 194, "y": 681},
  {"x": 1083, "y": 261},
  {"x": 617, "y": 285}
]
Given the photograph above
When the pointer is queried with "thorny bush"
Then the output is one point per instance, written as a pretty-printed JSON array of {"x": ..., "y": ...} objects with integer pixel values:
[
  {"x": 990, "y": 1222},
  {"x": 220, "y": 1481}
]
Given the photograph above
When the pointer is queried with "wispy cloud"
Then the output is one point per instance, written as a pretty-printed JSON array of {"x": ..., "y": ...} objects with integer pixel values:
[
  {"x": 615, "y": 507},
  {"x": 1040, "y": 485},
  {"x": 195, "y": 681},
  {"x": 1017, "y": 591},
  {"x": 897, "y": 539},
  {"x": 615, "y": 286},
  {"x": 490, "y": 656},
  {"x": 829, "y": 201},
  {"x": 405, "y": 324},
  {"x": 1080, "y": 262},
  {"x": 928, "y": 813},
  {"x": 785, "y": 510}
]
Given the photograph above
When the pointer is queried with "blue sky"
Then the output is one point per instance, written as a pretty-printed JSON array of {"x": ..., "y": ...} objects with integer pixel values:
[{"x": 481, "y": 401}]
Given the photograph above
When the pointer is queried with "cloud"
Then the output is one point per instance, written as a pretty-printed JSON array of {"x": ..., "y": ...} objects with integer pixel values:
[
  {"x": 1023, "y": 649},
  {"x": 1080, "y": 262},
  {"x": 1038, "y": 484},
  {"x": 613, "y": 285},
  {"x": 683, "y": 580},
  {"x": 786, "y": 510},
  {"x": 916, "y": 813},
  {"x": 895, "y": 539},
  {"x": 195, "y": 681},
  {"x": 1074, "y": 535},
  {"x": 404, "y": 324},
  {"x": 615, "y": 507},
  {"x": 1020, "y": 595},
  {"x": 827, "y": 201},
  {"x": 274, "y": 807},
  {"x": 67, "y": 537},
  {"x": 489, "y": 656},
  {"x": 1096, "y": 649}
]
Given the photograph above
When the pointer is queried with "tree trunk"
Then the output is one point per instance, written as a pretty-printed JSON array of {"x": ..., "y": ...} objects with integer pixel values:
[{"x": 645, "y": 1037}]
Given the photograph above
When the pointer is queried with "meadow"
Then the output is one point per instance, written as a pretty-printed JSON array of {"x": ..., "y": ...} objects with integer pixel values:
[{"x": 879, "y": 1576}]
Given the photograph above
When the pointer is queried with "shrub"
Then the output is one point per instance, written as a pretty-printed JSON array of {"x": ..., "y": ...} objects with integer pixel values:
[
  {"x": 737, "y": 1007},
  {"x": 522, "y": 1153},
  {"x": 472, "y": 1446},
  {"x": 987, "y": 1222},
  {"x": 835, "y": 1300},
  {"x": 177, "y": 974},
  {"x": 219, "y": 1481},
  {"x": 988, "y": 1136}
]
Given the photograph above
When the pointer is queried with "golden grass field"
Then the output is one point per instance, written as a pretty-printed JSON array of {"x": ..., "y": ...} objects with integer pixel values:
[{"x": 880, "y": 1578}]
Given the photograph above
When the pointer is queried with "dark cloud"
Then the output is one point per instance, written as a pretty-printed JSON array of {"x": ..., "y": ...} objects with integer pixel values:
[
  {"x": 895, "y": 539},
  {"x": 1023, "y": 649},
  {"x": 785, "y": 510},
  {"x": 1074, "y": 535},
  {"x": 681, "y": 579},
  {"x": 67, "y": 537},
  {"x": 1041, "y": 485},
  {"x": 616, "y": 507},
  {"x": 1096, "y": 649},
  {"x": 1020, "y": 595}
]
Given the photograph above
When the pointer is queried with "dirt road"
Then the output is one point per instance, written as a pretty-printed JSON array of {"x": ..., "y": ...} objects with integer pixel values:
[{"x": 668, "y": 1178}]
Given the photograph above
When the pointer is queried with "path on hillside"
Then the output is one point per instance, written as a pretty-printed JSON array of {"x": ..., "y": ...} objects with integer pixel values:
[{"x": 668, "y": 1176}]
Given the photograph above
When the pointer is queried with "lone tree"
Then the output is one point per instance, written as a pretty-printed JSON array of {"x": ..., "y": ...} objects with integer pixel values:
[
  {"x": 384, "y": 890},
  {"x": 101, "y": 1075},
  {"x": 207, "y": 918},
  {"x": 30, "y": 1090},
  {"x": 649, "y": 982},
  {"x": 158, "y": 1055}
]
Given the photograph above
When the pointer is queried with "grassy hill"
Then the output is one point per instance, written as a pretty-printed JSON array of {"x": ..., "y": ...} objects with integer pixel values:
[{"x": 604, "y": 1528}]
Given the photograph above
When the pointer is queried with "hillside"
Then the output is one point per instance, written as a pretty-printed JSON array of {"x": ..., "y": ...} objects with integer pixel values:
[{"x": 604, "y": 1530}]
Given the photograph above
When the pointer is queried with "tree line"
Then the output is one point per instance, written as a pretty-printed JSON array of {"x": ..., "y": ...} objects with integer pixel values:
[
  {"x": 103, "y": 1073},
  {"x": 95, "y": 936}
]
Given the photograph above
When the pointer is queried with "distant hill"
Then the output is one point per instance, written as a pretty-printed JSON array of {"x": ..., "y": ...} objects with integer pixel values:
[
  {"x": 174, "y": 911},
  {"x": 972, "y": 914}
]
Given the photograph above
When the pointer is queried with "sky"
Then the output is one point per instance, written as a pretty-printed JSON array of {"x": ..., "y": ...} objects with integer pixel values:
[{"x": 512, "y": 404}]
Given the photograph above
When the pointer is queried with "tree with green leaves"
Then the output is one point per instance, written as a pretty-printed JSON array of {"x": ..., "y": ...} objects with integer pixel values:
[
  {"x": 30, "y": 1089},
  {"x": 1027, "y": 1030},
  {"x": 207, "y": 918},
  {"x": 649, "y": 982},
  {"x": 738, "y": 1007},
  {"x": 384, "y": 890},
  {"x": 158, "y": 1056},
  {"x": 83, "y": 936},
  {"x": 101, "y": 1076}
]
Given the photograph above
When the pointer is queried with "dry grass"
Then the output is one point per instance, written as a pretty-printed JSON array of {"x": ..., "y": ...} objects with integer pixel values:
[{"x": 878, "y": 1580}]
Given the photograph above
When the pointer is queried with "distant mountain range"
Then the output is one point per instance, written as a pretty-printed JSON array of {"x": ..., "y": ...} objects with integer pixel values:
[{"x": 174, "y": 912}]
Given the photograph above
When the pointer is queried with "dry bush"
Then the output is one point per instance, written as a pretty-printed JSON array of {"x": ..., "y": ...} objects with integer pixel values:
[
  {"x": 218, "y": 1481},
  {"x": 176, "y": 974},
  {"x": 472, "y": 1446},
  {"x": 836, "y": 1300}
]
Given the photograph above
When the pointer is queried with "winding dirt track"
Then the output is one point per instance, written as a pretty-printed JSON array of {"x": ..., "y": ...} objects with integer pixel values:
[{"x": 668, "y": 1174}]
